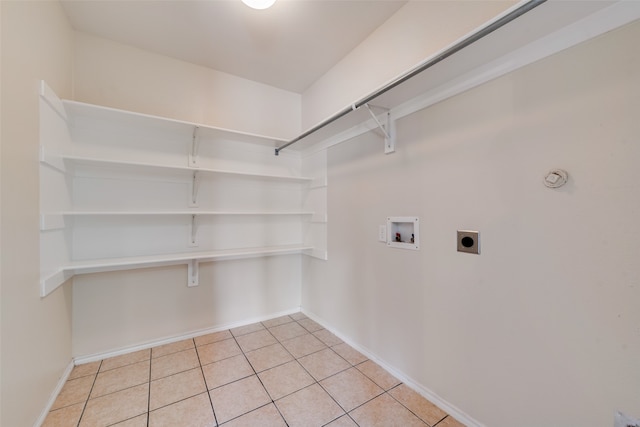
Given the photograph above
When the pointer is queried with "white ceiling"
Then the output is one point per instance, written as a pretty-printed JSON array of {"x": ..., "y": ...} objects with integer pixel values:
[{"x": 288, "y": 46}]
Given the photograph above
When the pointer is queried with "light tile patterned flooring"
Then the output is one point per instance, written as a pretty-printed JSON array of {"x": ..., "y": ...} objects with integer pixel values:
[{"x": 286, "y": 371}]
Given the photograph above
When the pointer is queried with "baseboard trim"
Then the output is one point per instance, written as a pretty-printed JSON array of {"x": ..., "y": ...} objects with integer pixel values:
[
  {"x": 54, "y": 394},
  {"x": 441, "y": 403},
  {"x": 82, "y": 359}
]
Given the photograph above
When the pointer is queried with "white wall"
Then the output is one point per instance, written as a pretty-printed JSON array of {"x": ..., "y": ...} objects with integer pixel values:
[
  {"x": 417, "y": 31},
  {"x": 36, "y": 333},
  {"x": 542, "y": 327},
  {"x": 120, "y": 76}
]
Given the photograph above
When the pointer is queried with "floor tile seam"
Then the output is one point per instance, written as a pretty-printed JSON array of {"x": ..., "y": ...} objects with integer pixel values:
[
  {"x": 274, "y": 366},
  {"x": 130, "y": 418},
  {"x": 220, "y": 360},
  {"x": 86, "y": 402},
  {"x": 115, "y": 391},
  {"x": 212, "y": 342},
  {"x": 175, "y": 373},
  {"x": 279, "y": 324},
  {"x": 121, "y": 366},
  {"x": 374, "y": 381},
  {"x": 170, "y": 353},
  {"x": 149, "y": 391},
  {"x": 307, "y": 329},
  {"x": 248, "y": 412},
  {"x": 409, "y": 409},
  {"x": 293, "y": 337},
  {"x": 204, "y": 377},
  {"x": 246, "y": 333},
  {"x": 322, "y": 349},
  {"x": 177, "y": 401},
  {"x": 345, "y": 410}
]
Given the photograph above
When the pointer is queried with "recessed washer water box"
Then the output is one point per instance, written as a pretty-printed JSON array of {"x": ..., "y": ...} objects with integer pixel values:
[
  {"x": 403, "y": 232},
  {"x": 468, "y": 241}
]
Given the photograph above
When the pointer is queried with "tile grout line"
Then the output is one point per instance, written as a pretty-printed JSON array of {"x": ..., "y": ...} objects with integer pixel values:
[
  {"x": 258, "y": 377},
  {"x": 86, "y": 402},
  {"x": 206, "y": 386},
  {"x": 149, "y": 392}
]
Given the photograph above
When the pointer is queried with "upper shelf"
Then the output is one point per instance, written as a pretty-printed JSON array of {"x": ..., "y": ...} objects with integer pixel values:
[
  {"x": 113, "y": 115},
  {"x": 498, "y": 47},
  {"x": 93, "y": 162}
]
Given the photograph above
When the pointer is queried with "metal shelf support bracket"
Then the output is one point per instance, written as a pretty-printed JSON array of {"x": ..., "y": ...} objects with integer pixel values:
[
  {"x": 193, "y": 273},
  {"x": 193, "y": 242},
  {"x": 195, "y": 186},
  {"x": 388, "y": 128},
  {"x": 195, "y": 145}
]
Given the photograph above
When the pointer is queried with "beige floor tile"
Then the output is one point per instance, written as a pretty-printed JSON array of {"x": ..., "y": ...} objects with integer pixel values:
[
  {"x": 238, "y": 398},
  {"x": 351, "y": 388},
  {"x": 255, "y": 340},
  {"x": 168, "y": 390},
  {"x": 84, "y": 370},
  {"x": 298, "y": 316},
  {"x": 219, "y": 350},
  {"x": 285, "y": 379},
  {"x": 120, "y": 378},
  {"x": 323, "y": 364},
  {"x": 213, "y": 337},
  {"x": 450, "y": 422},
  {"x": 266, "y": 416},
  {"x": 247, "y": 329},
  {"x": 227, "y": 370},
  {"x": 385, "y": 411},
  {"x": 173, "y": 347},
  {"x": 288, "y": 331},
  {"x": 116, "y": 407},
  {"x": 174, "y": 363},
  {"x": 378, "y": 375},
  {"x": 343, "y": 421},
  {"x": 193, "y": 412},
  {"x": 277, "y": 321},
  {"x": 327, "y": 337},
  {"x": 268, "y": 357},
  {"x": 140, "y": 421},
  {"x": 125, "y": 359},
  {"x": 303, "y": 345},
  {"x": 349, "y": 354},
  {"x": 417, "y": 404},
  {"x": 64, "y": 417},
  {"x": 74, "y": 391},
  {"x": 311, "y": 406},
  {"x": 310, "y": 325}
]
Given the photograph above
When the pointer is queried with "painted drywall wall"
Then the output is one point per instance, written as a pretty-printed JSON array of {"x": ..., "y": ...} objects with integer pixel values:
[
  {"x": 541, "y": 328},
  {"x": 417, "y": 31},
  {"x": 128, "y": 308},
  {"x": 120, "y": 76},
  {"x": 36, "y": 333}
]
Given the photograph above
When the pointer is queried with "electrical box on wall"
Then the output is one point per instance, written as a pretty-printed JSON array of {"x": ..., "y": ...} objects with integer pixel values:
[{"x": 403, "y": 232}]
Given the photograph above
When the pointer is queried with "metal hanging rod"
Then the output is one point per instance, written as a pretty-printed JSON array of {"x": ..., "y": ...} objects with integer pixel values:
[{"x": 485, "y": 31}]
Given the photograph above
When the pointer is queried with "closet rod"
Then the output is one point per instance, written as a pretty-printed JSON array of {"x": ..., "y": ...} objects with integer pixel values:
[{"x": 504, "y": 20}]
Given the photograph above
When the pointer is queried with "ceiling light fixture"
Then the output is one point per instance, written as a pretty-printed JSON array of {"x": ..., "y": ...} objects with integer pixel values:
[{"x": 259, "y": 4}]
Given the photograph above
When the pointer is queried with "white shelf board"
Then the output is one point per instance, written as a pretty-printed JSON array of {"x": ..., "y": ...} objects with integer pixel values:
[
  {"x": 55, "y": 220},
  {"x": 89, "y": 161},
  {"x": 113, "y": 115},
  {"x": 50, "y": 283}
]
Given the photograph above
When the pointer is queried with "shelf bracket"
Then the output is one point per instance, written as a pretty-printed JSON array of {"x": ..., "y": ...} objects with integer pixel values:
[
  {"x": 193, "y": 273},
  {"x": 388, "y": 129},
  {"x": 194, "y": 232},
  {"x": 195, "y": 145},
  {"x": 195, "y": 186}
]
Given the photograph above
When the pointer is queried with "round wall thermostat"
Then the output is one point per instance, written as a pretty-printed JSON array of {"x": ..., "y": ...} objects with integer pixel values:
[{"x": 556, "y": 178}]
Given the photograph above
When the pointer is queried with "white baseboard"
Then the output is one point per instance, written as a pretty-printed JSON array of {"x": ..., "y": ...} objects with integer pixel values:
[
  {"x": 54, "y": 394},
  {"x": 428, "y": 394},
  {"x": 79, "y": 360}
]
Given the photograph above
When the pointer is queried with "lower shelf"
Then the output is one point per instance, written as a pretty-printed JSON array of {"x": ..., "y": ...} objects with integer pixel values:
[{"x": 50, "y": 283}]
